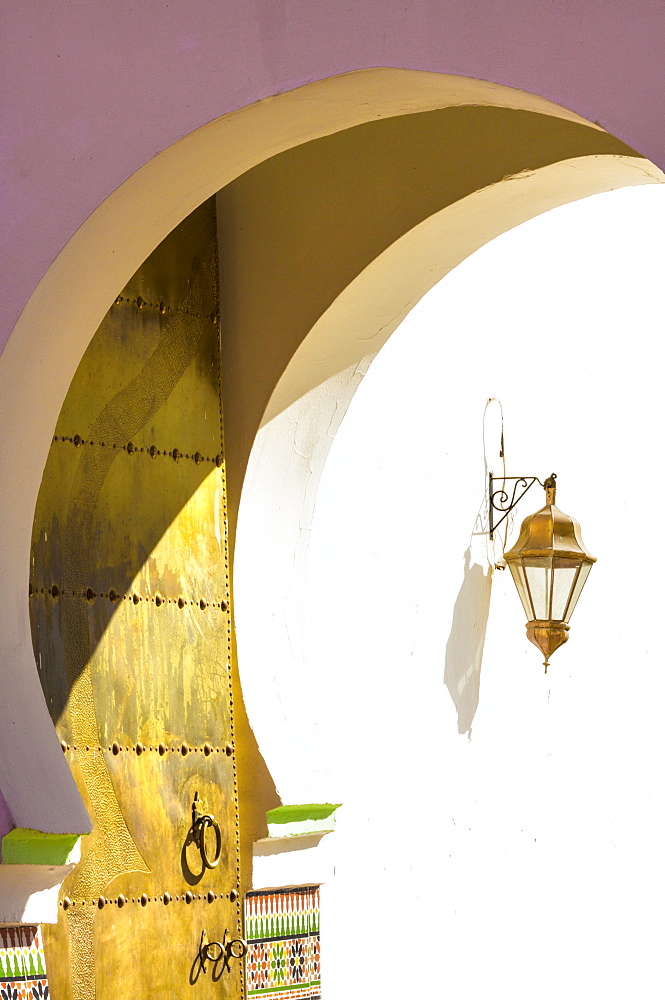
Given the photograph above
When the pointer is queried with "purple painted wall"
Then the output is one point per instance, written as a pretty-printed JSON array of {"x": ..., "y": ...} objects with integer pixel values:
[
  {"x": 93, "y": 89},
  {"x": 6, "y": 820}
]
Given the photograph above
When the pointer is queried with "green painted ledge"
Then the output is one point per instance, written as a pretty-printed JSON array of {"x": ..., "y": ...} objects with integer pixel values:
[
  {"x": 30, "y": 847},
  {"x": 297, "y": 820}
]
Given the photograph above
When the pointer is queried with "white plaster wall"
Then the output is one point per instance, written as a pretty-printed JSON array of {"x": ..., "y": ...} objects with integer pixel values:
[{"x": 524, "y": 858}]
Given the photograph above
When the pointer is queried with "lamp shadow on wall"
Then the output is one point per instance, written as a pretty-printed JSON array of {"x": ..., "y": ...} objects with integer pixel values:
[
  {"x": 464, "y": 649},
  {"x": 466, "y": 642}
]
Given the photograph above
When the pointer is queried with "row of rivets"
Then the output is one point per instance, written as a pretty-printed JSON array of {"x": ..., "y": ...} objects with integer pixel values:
[
  {"x": 114, "y": 596},
  {"x": 163, "y": 308},
  {"x": 132, "y": 449},
  {"x": 165, "y": 898},
  {"x": 162, "y": 749},
  {"x": 229, "y": 639}
]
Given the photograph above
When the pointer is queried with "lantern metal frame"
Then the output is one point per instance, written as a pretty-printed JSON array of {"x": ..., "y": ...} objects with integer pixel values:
[{"x": 549, "y": 542}]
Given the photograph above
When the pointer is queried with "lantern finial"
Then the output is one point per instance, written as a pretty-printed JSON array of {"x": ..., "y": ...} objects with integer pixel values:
[{"x": 550, "y": 489}]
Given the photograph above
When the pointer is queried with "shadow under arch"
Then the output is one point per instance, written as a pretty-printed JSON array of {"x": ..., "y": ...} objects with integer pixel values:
[{"x": 102, "y": 256}]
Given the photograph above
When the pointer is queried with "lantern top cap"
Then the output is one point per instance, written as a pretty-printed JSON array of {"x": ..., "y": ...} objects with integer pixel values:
[{"x": 550, "y": 533}]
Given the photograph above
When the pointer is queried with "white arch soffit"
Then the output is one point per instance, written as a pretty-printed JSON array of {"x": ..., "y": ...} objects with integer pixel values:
[
  {"x": 53, "y": 331},
  {"x": 300, "y": 423}
]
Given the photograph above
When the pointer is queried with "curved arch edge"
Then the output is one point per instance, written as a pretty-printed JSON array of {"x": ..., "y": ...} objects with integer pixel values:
[{"x": 36, "y": 367}]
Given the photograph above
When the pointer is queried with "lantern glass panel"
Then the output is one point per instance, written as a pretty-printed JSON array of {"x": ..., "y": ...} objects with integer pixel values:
[
  {"x": 517, "y": 571},
  {"x": 565, "y": 575},
  {"x": 585, "y": 569},
  {"x": 539, "y": 581}
]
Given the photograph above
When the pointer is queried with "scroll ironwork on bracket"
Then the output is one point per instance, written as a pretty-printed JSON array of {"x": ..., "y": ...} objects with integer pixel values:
[{"x": 502, "y": 503}]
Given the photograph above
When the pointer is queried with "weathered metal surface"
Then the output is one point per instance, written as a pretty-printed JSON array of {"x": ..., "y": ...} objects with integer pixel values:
[{"x": 130, "y": 616}]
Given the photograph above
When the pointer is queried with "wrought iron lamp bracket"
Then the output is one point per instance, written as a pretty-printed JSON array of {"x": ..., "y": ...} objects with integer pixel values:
[{"x": 499, "y": 500}]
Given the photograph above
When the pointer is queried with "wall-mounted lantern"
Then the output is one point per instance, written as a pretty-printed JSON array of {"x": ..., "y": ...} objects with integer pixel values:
[{"x": 549, "y": 563}]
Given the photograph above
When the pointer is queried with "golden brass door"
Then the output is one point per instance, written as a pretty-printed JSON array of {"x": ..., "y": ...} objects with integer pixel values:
[{"x": 130, "y": 616}]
